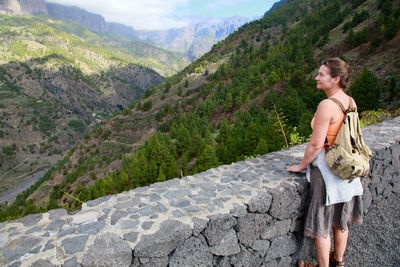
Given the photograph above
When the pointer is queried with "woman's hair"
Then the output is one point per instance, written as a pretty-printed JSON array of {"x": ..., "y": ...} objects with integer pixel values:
[{"x": 339, "y": 68}]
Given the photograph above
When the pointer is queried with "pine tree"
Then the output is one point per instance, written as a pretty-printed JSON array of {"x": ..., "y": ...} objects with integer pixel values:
[
  {"x": 251, "y": 138},
  {"x": 262, "y": 147},
  {"x": 206, "y": 160},
  {"x": 304, "y": 128},
  {"x": 172, "y": 169},
  {"x": 161, "y": 176},
  {"x": 366, "y": 91}
]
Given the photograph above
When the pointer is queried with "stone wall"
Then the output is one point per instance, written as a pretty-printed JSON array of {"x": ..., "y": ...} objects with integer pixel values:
[{"x": 245, "y": 214}]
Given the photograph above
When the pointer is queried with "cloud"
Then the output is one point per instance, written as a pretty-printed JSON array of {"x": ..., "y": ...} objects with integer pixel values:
[
  {"x": 224, "y": 3},
  {"x": 140, "y": 14}
]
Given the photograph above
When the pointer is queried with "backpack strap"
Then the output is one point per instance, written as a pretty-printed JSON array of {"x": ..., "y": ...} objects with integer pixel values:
[
  {"x": 345, "y": 111},
  {"x": 352, "y": 108},
  {"x": 337, "y": 101}
]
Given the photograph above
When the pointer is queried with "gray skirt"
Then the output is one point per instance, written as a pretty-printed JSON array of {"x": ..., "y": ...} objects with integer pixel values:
[{"x": 320, "y": 218}]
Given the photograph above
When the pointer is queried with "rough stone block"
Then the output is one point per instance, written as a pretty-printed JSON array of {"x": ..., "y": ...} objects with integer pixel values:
[
  {"x": 261, "y": 246},
  {"x": 93, "y": 203},
  {"x": 226, "y": 246},
  {"x": 84, "y": 217},
  {"x": 147, "y": 211},
  {"x": 285, "y": 262},
  {"x": 117, "y": 215},
  {"x": 217, "y": 227},
  {"x": 172, "y": 234},
  {"x": 238, "y": 210},
  {"x": 30, "y": 220},
  {"x": 131, "y": 236},
  {"x": 198, "y": 225},
  {"x": 260, "y": 203},
  {"x": 286, "y": 202},
  {"x": 246, "y": 258},
  {"x": 30, "y": 231},
  {"x": 57, "y": 214},
  {"x": 108, "y": 250},
  {"x": 178, "y": 213},
  {"x": 208, "y": 186},
  {"x": 147, "y": 225},
  {"x": 177, "y": 194},
  {"x": 74, "y": 244},
  {"x": 160, "y": 207},
  {"x": 43, "y": 263},
  {"x": 276, "y": 228},
  {"x": 19, "y": 247},
  {"x": 271, "y": 263},
  {"x": 72, "y": 262},
  {"x": 91, "y": 228},
  {"x": 220, "y": 261},
  {"x": 180, "y": 203},
  {"x": 155, "y": 197},
  {"x": 128, "y": 204},
  {"x": 131, "y": 224},
  {"x": 282, "y": 246},
  {"x": 154, "y": 262},
  {"x": 194, "y": 252},
  {"x": 248, "y": 176},
  {"x": 250, "y": 227},
  {"x": 395, "y": 151},
  {"x": 169, "y": 184}
]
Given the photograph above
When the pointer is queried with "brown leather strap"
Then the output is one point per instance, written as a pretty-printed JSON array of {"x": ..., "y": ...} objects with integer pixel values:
[{"x": 326, "y": 144}]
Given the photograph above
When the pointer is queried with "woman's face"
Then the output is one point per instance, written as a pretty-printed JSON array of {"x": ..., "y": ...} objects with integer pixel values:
[{"x": 324, "y": 79}]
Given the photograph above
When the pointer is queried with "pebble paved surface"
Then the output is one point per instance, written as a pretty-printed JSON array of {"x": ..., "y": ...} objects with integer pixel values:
[{"x": 377, "y": 241}]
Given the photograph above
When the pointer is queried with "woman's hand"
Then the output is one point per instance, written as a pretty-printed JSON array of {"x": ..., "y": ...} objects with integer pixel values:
[{"x": 295, "y": 168}]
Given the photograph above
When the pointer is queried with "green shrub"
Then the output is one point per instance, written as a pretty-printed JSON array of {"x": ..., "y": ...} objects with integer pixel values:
[
  {"x": 147, "y": 105},
  {"x": 77, "y": 125}
]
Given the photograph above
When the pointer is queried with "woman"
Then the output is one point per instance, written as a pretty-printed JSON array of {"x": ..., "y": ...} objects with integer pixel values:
[{"x": 333, "y": 79}]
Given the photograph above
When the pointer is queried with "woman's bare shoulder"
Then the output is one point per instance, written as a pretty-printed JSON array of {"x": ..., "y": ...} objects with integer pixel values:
[{"x": 326, "y": 104}]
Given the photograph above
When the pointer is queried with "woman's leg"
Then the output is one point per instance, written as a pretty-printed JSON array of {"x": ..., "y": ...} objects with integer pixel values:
[
  {"x": 340, "y": 243},
  {"x": 323, "y": 245}
]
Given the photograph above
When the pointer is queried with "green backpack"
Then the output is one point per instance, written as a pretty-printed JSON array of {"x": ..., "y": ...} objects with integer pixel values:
[{"x": 349, "y": 156}]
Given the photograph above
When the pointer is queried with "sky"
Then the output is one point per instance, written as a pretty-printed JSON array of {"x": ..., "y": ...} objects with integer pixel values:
[{"x": 166, "y": 14}]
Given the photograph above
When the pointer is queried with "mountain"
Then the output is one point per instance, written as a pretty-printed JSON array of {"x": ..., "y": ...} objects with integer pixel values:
[
  {"x": 164, "y": 62},
  {"x": 19, "y": 7},
  {"x": 57, "y": 80},
  {"x": 191, "y": 41},
  {"x": 89, "y": 20},
  {"x": 253, "y": 93}
]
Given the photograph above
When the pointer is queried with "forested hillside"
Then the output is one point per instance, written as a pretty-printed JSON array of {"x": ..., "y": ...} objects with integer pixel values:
[
  {"x": 56, "y": 80},
  {"x": 251, "y": 94}
]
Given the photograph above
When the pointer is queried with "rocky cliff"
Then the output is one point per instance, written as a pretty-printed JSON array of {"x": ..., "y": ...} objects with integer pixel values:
[
  {"x": 23, "y": 7},
  {"x": 93, "y": 22}
]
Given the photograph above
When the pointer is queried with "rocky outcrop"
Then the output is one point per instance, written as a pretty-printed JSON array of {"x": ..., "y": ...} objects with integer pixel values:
[
  {"x": 245, "y": 214},
  {"x": 25, "y": 7},
  {"x": 93, "y": 22}
]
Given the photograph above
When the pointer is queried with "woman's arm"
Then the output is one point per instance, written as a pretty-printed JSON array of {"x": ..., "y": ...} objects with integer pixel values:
[{"x": 323, "y": 116}]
